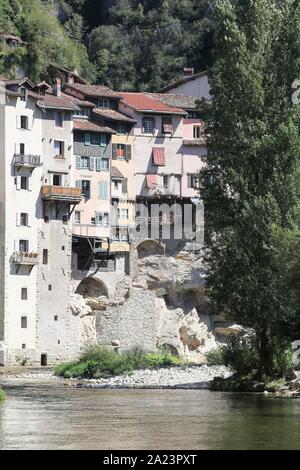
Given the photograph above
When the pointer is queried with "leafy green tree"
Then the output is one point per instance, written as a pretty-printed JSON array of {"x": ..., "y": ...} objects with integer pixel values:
[{"x": 249, "y": 180}]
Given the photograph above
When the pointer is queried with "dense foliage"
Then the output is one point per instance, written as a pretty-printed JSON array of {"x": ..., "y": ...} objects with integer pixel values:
[
  {"x": 249, "y": 181},
  {"x": 126, "y": 44},
  {"x": 2, "y": 395},
  {"x": 98, "y": 362}
]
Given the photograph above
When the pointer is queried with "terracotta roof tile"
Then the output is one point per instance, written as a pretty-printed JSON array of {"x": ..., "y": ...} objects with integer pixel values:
[
  {"x": 87, "y": 125},
  {"x": 115, "y": 173},
  {"x": 56, "y": 102},
  {"x": 178, "y": 101},
  {"x": 112, "y": 115},
  {"x": 144, "y": 103},
  {"x": 94, "y": 90}
]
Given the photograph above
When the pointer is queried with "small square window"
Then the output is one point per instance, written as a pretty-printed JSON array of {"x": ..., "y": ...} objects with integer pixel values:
[
  {"x": 77, "y": 217},
  {"x": 45, "y": 256},
  {"x": 65, "y": 219},
  {"x": 55, "y": 317},
  {"x": 23, "y": 322},
  {"x": 24, "y": 182},
  {"x": 23, "y": 346},
  {"x": 58, "y": 342},
  {"x": 50, "y": 287},
  {"x": 24, "y": 122},
  {"x": 24, "y": 293},
  {"x": 63, "y": 248}
]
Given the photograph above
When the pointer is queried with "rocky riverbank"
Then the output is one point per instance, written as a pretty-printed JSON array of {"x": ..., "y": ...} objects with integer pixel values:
[{"x": 191, "y": 377}]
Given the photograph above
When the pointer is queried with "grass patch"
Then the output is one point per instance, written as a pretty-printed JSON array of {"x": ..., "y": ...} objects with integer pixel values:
[
  {"x": 2, "y": 395},
  {"x": 98, "y": 362},
  {"x": 247, "y": 383}
]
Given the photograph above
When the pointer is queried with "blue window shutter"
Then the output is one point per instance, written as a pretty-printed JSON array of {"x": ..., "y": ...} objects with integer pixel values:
[
  {"x": 103, "y": 190},
  {"x": 87, "y": 138},
  {"x": 103, "y": 140},
  {"x": 78, "y": 163},
  {"x": 98, "y": 164},
  {"x": 92, "y": 163}
]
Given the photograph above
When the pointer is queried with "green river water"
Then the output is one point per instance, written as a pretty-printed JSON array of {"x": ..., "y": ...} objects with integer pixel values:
[{"x": 55, "y": 417}]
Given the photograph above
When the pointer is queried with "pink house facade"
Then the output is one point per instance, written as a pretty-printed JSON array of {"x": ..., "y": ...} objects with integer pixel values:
[{"x": 193, "y": 150}]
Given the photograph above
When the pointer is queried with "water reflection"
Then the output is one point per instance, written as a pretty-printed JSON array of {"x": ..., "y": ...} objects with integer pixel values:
[{"x": 64, "y": 418}]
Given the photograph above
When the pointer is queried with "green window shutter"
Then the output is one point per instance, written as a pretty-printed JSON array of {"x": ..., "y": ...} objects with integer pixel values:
[
  {"x": 103, "y": 194},
  {"x": 128, "y": 152},
  {"x": 102, "y": 140},
  {"x": 98, "y": 164},
  {"x": 114, "y": 151},
  {"x": 87, "y": 138},
  {"x": 92, "y": 163},
  {"x": 78, "y": 163}
]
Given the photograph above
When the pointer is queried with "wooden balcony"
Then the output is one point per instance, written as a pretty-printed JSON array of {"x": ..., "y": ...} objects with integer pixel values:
[
  {"x": 26, "y": 160},
  {"x": 61, "y": 194},
  {"x": 25, "y": 258}
]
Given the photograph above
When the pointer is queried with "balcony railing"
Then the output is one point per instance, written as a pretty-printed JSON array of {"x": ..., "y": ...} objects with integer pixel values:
[
  {"x": 31, "y": 161},
  {"x": 61, "y": 193},
  {"x": 25, "y": 258}
]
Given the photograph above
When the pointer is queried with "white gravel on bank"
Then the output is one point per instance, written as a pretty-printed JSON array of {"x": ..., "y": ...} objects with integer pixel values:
[
  {"x": 172, "y": 377},
  {"x": 169, "y": 377}
]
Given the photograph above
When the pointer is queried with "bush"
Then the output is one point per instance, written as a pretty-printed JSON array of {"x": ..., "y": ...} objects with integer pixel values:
[
  {"x": 2, "y": 395},
  {"x": 98, "y": 362}
]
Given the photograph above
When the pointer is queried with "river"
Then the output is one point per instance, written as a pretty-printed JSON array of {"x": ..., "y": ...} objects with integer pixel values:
[{"x": 56, "y": 417}]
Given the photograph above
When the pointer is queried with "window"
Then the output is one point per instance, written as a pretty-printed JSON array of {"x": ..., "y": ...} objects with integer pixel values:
[
  {"x": 23, "y": 322},
  {"x": 23, "y": 94},
  {"x": 103, "y": 103},
  {"x": 85, "y": 162},
  {"x": 24, "y": 182},
  {"x": 166, "y": 125},
  {"x": 63, "y": 248},
  {"x": 192, "y": 181},
  {"x": 55, "y": 317},
  {"x": 59, "y": 119},
  {"x": 86, "y": 188},
  {"x": 49, "y": 287},
  {"x": 148, "y": 125},
  {"x": 57, "y": 180},
  {"x": 24, "y": 122},
  {"x": 93, "y": 221},
  {"x": 124, "y": 214},
  {"x": 83, "y": 112},
  {"x": 121, "y": 150},
  {"x": 45, "y": 256},
  {"x": 121, "y": 128},
  {"x": 59, "y": 148},
  {"x": 24, "y": 293},
  {"x": 65, "y": 218},
  {"x": 166, "y": 181},
  {"x": 197, "y": 132},
  {"x": 104, "y": 164},
  {"x": 23, "y": 219},
  {"x": 22, "y": 149},
  {"x": 102, "y": 219},
  {"x": 123, "y": 235},
  {"x": 46, "y": 219},
  {"x": 23, "y": 246},
  {"x": 23, "y": 346},
  {"x": 77, "y": 217}
]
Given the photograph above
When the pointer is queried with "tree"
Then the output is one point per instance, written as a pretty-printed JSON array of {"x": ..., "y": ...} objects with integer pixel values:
[{"x": 253, "y": 149}]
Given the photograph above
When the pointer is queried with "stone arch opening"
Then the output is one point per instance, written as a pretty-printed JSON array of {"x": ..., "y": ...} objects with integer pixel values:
[
  {"x": 149, "y": 248},
  {"x": 92, "y": 287}
]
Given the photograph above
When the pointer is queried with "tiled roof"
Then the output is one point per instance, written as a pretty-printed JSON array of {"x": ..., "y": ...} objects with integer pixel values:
[
  {"x": 79, "y": 102},
  {"x": 56, "y": 102},
  {"x": 115, "y": 173},
  {"x": 87, "y": 125},
  {"x": 144, "y": 103},
  {"x": 178, "y": 101},
  {"x": 183, "y": 80},
  {"x": 112, "y": 115},
  {"x": 71, "y": 73},
  {"x": 94, "y": 90}
]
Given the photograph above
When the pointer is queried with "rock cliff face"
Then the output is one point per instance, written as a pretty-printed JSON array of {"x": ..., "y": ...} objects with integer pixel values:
[{"x": 162, "y": 304}]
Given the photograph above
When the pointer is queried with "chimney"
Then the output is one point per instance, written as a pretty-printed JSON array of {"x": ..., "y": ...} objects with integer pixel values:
[
  {"x": 57, "y": 87},
  {"x": 188, "y": 72}
]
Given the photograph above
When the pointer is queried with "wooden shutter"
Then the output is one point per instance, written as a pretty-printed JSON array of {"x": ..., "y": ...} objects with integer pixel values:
[
  {"x": 98, "y": 164},
  {"x": 78, "y": 163},
  {"x": 28, "y": 220},
  {"x": 124, "y": 185},
  {"x": 18, "y": 217},
  {"x": 128, "y": 152},
  {"x": 18, "y": 122},
  {"x": 92, "y": 163},
  {"x": 103, "y": 194},
  {"x": 18, "y": 182},
  {"x": 78, "y": 184},
  {"x": 87, "y": 138},
  {"x": 114, "y": 151}
]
